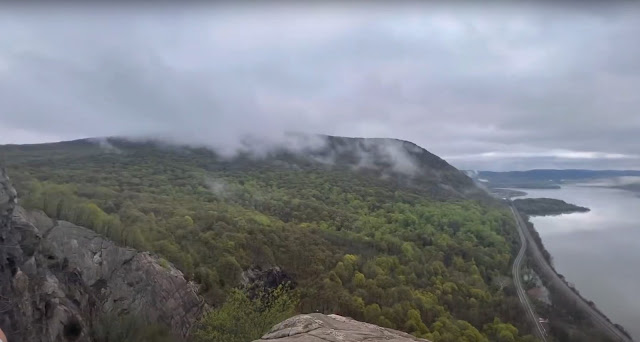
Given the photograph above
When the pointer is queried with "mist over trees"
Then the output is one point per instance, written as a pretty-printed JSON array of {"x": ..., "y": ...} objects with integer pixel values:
[{"x": 355, "y": 243}]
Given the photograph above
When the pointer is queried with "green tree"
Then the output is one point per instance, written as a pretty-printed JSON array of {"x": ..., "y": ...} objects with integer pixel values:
[{"x": 243, "y": 319}]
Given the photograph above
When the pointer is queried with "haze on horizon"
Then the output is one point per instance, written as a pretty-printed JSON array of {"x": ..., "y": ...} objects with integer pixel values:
[{"x": 502, "y": 87}]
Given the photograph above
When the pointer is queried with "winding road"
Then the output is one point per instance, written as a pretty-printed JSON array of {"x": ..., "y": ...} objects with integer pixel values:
[
  {"x": 517, "y": 280},
  {"x": 560, "y": 285}
]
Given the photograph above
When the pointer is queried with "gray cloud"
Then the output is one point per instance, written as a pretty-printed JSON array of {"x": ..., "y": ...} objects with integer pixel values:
[{"x": 487, "y": 88}]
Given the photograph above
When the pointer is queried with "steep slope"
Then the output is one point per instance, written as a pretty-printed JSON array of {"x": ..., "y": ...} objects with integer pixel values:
[
  {"x": 379, "y": 230},
  {"x": 394, "y": 158},
  {"x": 58, "y": 279}
]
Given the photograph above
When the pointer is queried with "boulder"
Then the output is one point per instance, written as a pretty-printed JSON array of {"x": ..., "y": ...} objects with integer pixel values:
[{"x": 317, "y": 327}]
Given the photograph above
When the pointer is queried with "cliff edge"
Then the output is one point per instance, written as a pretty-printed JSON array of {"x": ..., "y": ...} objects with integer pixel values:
[{"x": 57, "y": 279}]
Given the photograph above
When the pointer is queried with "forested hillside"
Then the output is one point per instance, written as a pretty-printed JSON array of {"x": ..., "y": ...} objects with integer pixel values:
[{"x": 378, "y": 230}]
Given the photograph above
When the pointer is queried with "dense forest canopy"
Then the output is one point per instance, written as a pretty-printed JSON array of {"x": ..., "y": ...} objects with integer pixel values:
[{"x": 379, "y": 230}]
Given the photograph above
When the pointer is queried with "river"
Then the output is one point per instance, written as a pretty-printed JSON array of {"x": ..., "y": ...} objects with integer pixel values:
[{"x": 598, "y": 251}]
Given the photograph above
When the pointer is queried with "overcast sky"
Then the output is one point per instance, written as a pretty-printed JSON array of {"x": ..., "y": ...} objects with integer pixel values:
[{"x": 494, "y": 88}]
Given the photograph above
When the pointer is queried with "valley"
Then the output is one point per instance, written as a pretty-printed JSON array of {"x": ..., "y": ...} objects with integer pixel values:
[{"x": 407, "y": 243}]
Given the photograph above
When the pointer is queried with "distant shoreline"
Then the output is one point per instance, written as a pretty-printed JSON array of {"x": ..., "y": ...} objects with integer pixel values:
[{"x": 633, "y": 187}]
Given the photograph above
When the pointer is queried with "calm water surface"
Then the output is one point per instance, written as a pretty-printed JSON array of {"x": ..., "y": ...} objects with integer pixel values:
[{"x": 598, "y": 251}]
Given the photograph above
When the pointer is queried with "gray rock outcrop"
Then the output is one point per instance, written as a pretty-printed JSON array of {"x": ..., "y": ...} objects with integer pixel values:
[
  {"x": 332, "y": 328},
  {"x": 57, "y": 278}
]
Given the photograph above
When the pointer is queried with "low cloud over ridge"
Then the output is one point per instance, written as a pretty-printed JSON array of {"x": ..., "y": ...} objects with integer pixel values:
[{"x": 526, "y": 86}]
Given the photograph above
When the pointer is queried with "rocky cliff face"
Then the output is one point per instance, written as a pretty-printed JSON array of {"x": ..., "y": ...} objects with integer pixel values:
[
  {"x": 57, "y": 278},
  {"x": 332, "y": 328}
]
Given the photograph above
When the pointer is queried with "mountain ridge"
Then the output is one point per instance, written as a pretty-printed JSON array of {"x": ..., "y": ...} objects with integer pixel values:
[{"x": 384, "y": 157}]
